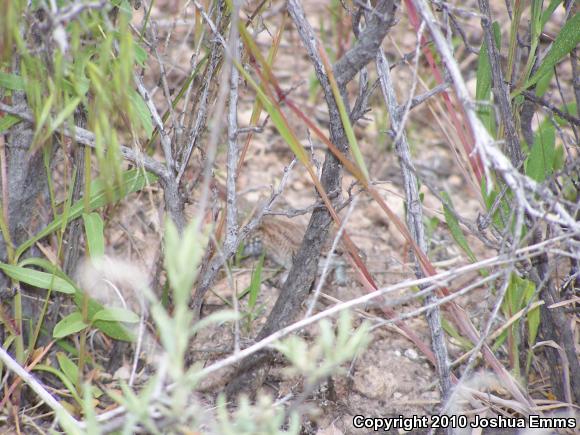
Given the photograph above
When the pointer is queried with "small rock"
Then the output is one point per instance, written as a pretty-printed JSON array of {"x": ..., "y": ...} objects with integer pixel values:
[
  {"x": 397, "y": 395},
  {"x": 397, "y": 352},
  {"x": 411, "y": 354}
]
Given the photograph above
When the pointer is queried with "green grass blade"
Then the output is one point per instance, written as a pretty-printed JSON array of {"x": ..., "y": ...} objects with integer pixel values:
[
  {"x": 565, "y": 42},
  {"x": 63, "y": 378},
  {"x": 344, "y": 117},
  {"x": 8, "y": 121},
  {"x": 13, "y": 82},
  {"x": 453, "y": 225},
  {"x": 549, "y": 11},
  {"x": 94, "y": 231},
  {"x": 255, "y": 282}
]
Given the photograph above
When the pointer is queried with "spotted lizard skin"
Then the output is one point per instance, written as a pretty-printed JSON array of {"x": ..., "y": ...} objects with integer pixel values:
[{"x": 280, "y": 239}]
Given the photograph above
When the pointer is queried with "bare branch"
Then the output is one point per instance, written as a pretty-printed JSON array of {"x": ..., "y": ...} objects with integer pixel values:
[
  {"x": 414, "y": 212},
  {"x": 380, "y": 20},
  {"x": 87, "y": 138},
  {"x": 37, "y": 387},
  {"x": 500, "y": 89}
]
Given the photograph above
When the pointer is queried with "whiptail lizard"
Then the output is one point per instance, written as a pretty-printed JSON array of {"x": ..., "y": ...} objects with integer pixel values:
[{"x": 280, "y": 238}]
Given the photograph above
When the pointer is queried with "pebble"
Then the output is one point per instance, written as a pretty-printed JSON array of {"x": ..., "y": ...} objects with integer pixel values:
[{"x": 411, "y": 354}]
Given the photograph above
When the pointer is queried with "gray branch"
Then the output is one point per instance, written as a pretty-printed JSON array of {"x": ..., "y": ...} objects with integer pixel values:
[
  {"x": 499, "y": 88},
  {"x": 380, "y": 20},
  {"x": 415, "y": 218}
]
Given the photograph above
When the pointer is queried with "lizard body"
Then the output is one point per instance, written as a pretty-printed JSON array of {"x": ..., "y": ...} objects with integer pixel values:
[{"x": 280, "y": 238}]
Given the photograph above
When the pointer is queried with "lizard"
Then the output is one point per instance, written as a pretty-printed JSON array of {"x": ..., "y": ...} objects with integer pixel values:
[{"x": 279, "y": 239}]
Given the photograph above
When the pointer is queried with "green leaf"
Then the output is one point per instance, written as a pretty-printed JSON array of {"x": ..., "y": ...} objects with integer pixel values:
[
  {"x": 559, "y": 159},
  {"x": 38, "y": 279},
  {"x": 518, "y": 295},
  {"x": 113, "y": 329},
  {"x": 116, "y": 314},
  {"x": 125, "y": 7},
  {"x": 71, "y": 324},
  {"x": 65, "y": 113},
  {"x": 44, "y": 264},
  {"x": 94, "y": 233},
  {"x": 455, "y": 230},
  {"x": 536, "y": 30},
  {"x": 549, "y": 11},
  {"x": 44, "y": 113},
  {"x": 483, "y": 89},
  {"x": 275, "y": 113},
  {"x": 64, "y": 379},
  {"x": 453, "y": 332},
  {"x": 528, "y": 292},
  {"x": 132, "y": 181},
  {"x": 255, "y": 282},
  {"x": 500, "y": 340},
  {"x": 11, "y": 81},
  {"x": 140, "y": 54},
  {"x": 50, "y": 268},
  {"x": 8, "y": 121},
  {"x": 183, "y": 252},
  {"x": 142, "y": 112},
  {"x": 565, "y": 42},
  {"x": 344, "y": 117},
  {"x": 533, "y": 325},
  {"x": 68, "y": 367},
  {"x": 540, "y": 162},
  {"x": 569, "y": 108},
  {"x": 544, "y": 83}
]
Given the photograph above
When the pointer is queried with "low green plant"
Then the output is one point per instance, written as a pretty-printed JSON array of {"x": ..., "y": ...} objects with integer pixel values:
[
  {"x": 253, "y": 291},
  {"x": 520, "y": 295}
]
